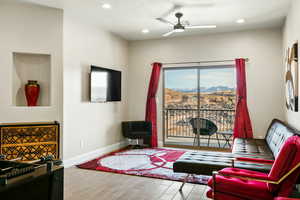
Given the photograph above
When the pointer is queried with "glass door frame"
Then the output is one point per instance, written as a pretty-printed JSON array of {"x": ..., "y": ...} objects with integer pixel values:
[{"x": 198, "y": 68}]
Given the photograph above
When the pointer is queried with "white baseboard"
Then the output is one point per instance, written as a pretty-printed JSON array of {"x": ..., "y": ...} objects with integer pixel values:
[
  {"x": 93, "y": 154},
  {"x": 160, "y": 143}
]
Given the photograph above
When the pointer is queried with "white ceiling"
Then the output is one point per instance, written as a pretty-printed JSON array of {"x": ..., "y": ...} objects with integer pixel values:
[{"x": 128, "y": 17}]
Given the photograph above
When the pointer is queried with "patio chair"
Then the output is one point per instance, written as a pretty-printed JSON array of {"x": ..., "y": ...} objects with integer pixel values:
[{"x": 203, "y": 126}]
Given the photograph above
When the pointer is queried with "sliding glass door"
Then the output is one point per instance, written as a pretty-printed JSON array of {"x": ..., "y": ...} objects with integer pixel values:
[
  {"x": 181, "y": 100},
  {"x": 197, "y": 92}
]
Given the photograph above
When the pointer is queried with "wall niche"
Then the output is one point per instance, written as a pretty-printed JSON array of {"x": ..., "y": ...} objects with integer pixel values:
[{"x": 30, "y": 66}]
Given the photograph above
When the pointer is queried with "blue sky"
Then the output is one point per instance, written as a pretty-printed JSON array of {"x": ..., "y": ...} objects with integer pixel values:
[{"x": 187, "y": 78}]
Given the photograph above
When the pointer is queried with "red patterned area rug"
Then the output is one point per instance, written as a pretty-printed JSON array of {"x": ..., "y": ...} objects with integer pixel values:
[{"x": 154, "y": 163}]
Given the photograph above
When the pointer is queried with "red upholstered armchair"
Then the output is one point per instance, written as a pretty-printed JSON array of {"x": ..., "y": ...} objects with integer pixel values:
[{"x": 240, "y": 184}]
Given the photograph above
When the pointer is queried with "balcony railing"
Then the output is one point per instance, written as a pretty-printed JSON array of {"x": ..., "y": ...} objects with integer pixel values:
[{"x": 177, "y": 121}]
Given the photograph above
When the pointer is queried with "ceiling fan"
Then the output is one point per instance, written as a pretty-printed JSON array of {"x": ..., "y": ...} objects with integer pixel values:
[{"x": 182, "y": 26}]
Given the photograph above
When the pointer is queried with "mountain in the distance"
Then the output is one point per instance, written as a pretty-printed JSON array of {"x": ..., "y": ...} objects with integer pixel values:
[
  {"x": 204, "y": 89},
  {"x": 217, "y": 89}
]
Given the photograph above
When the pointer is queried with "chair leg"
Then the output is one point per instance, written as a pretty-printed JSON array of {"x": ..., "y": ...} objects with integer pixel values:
[
  {"x": 228, "y": 141},
  {"x": 194, "y": 140},
  {"x": 214, "y": 189},
  {"x": 208, "y": 141},
  {"x": 217, "y": 136},
  {"x": 184, "y": 181},
  {"x": 198, "y": 139}
]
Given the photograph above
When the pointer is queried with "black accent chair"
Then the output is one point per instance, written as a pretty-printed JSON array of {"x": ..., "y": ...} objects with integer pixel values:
[
  {"x": 203, "y": 126},
  {"x": 137, "y": 130}
]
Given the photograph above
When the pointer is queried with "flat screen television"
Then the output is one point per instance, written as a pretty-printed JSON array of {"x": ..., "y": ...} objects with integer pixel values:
[{"x": 105, "y": 84}]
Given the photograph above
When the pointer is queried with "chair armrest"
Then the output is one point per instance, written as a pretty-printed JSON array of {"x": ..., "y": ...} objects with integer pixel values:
[
  {"x": 259, "y": 179},
  {"x": 244, "y": 177},
  {"x": 243, "y": 172},
  {"x": 255, "y": 160}
]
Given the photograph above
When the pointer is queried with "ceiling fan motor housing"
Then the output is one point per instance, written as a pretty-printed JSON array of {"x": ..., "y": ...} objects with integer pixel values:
[
  {"x": 179, "y": 27},
  {"x": 178, "y": 15}
]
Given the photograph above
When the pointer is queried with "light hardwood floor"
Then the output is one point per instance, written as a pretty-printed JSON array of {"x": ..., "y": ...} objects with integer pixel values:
[{"x": 83, "y": 184}]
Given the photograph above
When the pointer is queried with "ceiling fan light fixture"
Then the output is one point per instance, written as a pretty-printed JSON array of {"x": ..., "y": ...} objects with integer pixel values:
[{"x": 179, "y": 30}]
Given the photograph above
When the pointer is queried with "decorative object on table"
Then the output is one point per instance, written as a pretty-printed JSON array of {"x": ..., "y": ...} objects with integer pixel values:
[
  {"x": 291, "y": 78},
  {"x": 32, "y": 92},
  {"x": 150, "y": 162}
]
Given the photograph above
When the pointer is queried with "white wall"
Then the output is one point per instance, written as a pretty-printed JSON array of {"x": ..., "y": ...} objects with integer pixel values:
[
  {"x": 42, "y": 30},
  {"x": 264, "y": 71},
  {"x": 291, "y": 35},
  {"x": 30, "y": 29},
  {"x": 90, "y": 126}
]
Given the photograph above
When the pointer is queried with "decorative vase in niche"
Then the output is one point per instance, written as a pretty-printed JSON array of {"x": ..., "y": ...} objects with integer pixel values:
[{"x": 32, "y": 92}]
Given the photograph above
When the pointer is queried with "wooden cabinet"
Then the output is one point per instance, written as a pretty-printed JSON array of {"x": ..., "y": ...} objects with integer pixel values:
[{"x": 29, "y": 141}]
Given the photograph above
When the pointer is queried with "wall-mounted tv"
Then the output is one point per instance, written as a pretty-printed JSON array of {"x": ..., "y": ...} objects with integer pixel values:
[{"x": 105, "y": 84}]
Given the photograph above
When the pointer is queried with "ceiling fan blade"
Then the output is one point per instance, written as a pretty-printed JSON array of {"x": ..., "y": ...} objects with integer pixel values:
[
  {"x": 201, "y": 27},
  {"x": 186, "y": 23},
  {"x": 169, "y": 33},
  {"x": 174, "y": 8},
  {"x": 165, "y": 21}
]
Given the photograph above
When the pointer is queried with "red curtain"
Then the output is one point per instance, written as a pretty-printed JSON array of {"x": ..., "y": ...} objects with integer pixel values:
[
  {"x": 242, "y": 124},
  {"x": 151, "y": 111}
]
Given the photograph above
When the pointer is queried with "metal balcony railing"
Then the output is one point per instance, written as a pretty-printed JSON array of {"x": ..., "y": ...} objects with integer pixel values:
[{"x": 177, "y": 121}]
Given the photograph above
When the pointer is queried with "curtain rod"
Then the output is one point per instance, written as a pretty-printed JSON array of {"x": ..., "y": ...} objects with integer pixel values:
[{"x": 200, "y": 62}]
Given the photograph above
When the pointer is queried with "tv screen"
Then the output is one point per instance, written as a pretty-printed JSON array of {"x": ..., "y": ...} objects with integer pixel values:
[{"x": 105, "y": 84}]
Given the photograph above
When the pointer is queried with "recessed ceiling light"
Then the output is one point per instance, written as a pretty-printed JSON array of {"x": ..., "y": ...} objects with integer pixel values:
[
  {"x": 145, "y": 31},
  {"x": 106, "y": 6},
  {"x": 240, "y": 21}
]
